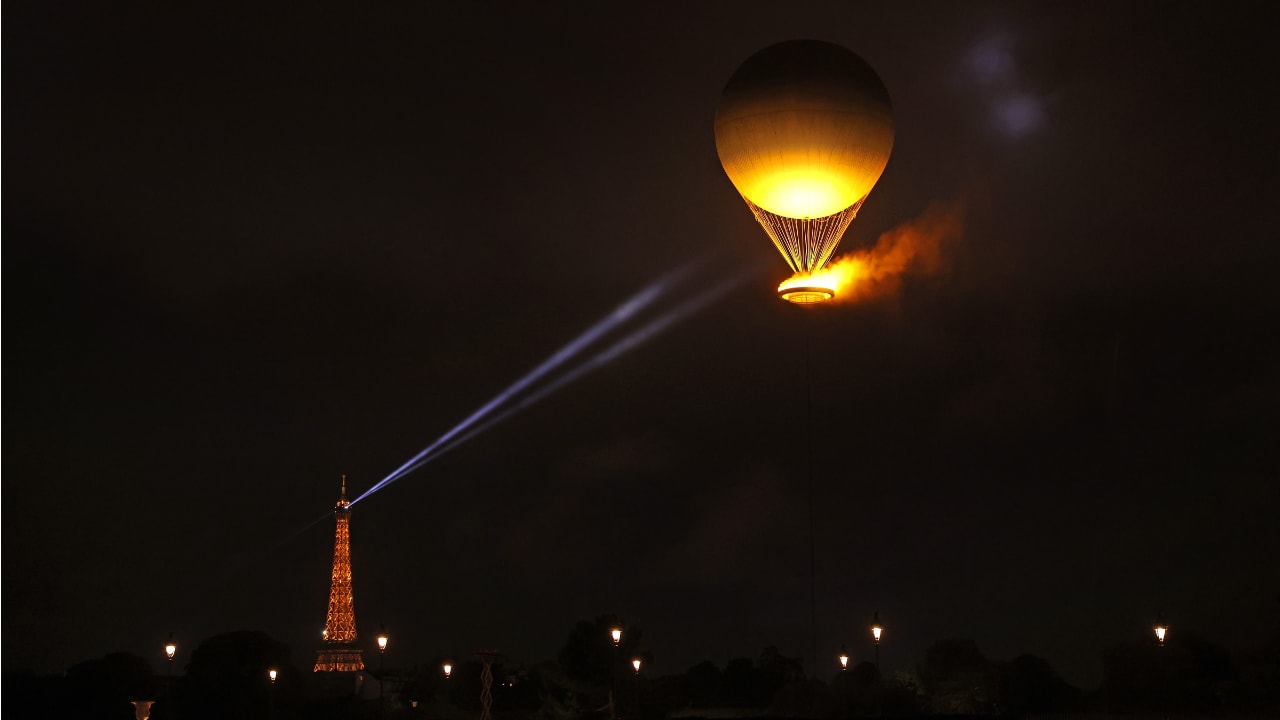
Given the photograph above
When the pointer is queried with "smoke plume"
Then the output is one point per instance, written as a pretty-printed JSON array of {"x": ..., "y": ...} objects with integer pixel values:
[{"x": 915, "y": 246}]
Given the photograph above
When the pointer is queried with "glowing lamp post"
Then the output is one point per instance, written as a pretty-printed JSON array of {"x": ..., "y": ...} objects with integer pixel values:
[
  {"x": 616, "y": 634},
  {"x": 170, "y": 649},
  {"x": 844, "y": 659},
  {"x": 876, "y": 631},
  {"x": 1161, "y": 629},
  {"x": 635, "y": 663},
  {"x": 382, "y": 668},
  {"x": 448, "y": 670},
  {"x": 271, "y": 700}
]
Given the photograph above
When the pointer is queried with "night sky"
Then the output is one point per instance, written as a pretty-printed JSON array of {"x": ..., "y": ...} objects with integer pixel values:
[{"x": 246, "y": 253}]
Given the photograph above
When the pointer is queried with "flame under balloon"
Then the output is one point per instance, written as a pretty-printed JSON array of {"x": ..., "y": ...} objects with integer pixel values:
[{"x": 836, "y": 279}]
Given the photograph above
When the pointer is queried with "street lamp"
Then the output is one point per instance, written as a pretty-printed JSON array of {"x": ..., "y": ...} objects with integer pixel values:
[
  {"x": 447, "y": 667},
  {"x": 844, "y": 658},
  {"x": 382, "y": 667},
  {"x": 616, "y": 634},
  {"x": 635, "y": 663},
  {"x": 876, "y": 631},
  {"x": 1161, "y": 629},
  {"x": 170, "y": 649},
  {"x": 271, "y": 698}
]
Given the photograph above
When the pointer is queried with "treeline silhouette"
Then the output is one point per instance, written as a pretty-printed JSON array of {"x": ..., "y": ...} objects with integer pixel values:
[{"x": 591, "y": 678}]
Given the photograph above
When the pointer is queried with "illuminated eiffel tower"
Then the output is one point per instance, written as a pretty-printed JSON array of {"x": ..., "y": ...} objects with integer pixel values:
[{"x": 340, "y": 652}]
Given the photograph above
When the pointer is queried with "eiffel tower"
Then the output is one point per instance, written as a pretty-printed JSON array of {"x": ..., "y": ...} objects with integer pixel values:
[{"x": 340, "y": 652}]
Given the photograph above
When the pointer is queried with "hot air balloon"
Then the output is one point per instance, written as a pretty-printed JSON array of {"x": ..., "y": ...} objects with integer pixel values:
[{"x": 804, "y": 129}]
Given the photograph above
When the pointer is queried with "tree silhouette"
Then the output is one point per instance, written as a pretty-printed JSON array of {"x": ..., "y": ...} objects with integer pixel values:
[
  {"x": 740, "y": 686},
  {"x": 227, "y": 677},
  {"x": 588, "y": 666},
  {"x": 103, "y": 688},
  {"x": 1028, "y": 685},
  {"x": 702, "y": 685},
  {"x": 959, "y": 679},
  {"x": 589, "y": 654}
]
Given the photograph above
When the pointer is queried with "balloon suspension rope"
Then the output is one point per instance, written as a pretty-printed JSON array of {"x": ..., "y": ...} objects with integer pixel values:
[{"x": 813, "y": 593}]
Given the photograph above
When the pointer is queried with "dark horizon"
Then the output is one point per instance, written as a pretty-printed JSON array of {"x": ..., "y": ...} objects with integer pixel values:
[
  {"x": 249, "y": 253},
  {"x": 859, "y": 646}
]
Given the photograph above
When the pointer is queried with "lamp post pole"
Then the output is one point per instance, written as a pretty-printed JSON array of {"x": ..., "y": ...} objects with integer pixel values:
[
  {"x": 170, "y": 649},
  {"x": 448, "y": 672},
  {"x": 382, "y": 670},
  {"x": 1161, "y": 630},
  {"x": 271, "y": 695},
  {"x": 636, "y": 664},
  {"x": 876, "y": 630},
  {"x": 616, "y": 634}
]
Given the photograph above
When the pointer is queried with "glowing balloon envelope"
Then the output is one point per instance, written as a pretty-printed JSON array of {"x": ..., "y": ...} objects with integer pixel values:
[{"x": 804, "y": 129}]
